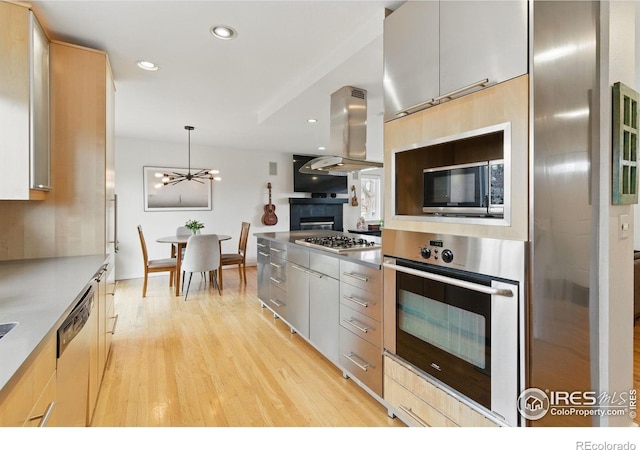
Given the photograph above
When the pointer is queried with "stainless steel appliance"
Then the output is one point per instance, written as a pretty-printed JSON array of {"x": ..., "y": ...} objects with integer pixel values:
[
  {"x": 566, "y": 215},
  {"x": 72, "y": 366},
  {"x": 454, "y": 310},
  {"x": 348, "y": 136},
  {"x": 474, "y": 189},
  {"x": 339, "y": 243}
]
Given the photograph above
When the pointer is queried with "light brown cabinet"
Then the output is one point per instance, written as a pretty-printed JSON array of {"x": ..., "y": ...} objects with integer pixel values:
[
  {"x": 24, "y": 111},
  {"x": 32, "y": 396},
  {"x": 72, "y": 220},
  {"x": 421, "y": 403},
  {"x": 102, "y": 328}
]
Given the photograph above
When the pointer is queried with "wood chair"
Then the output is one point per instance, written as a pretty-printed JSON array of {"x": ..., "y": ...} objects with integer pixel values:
[
  {"x": 155, "y": 265},
  {"x": 239, "y": 258},
  {"x": 201, "y": 255}
]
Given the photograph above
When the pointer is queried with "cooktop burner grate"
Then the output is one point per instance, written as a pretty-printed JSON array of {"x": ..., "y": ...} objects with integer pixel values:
[{"x": 338, "y": 243}]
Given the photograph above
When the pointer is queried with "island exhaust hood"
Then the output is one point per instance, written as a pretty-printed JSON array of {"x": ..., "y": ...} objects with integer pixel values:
[{"x": 348, "y": 136}]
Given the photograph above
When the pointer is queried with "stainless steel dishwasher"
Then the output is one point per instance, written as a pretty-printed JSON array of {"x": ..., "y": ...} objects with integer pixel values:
[{"x": 74, "y": 345}]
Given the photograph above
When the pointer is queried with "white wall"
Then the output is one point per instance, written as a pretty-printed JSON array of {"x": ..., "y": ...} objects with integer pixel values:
[{"x": 240, "y": 196}]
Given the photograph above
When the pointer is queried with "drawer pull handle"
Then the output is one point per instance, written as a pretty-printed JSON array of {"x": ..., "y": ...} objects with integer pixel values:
[
  {"x": 301, "y": 269},
  {"x": 356, "y": 301},
  {"x": 261, "y": 245},
  {"x": 314, "y": 274},
  {"x": 115, "y": 322},
  {"x": 357, "y": 276},
  {"x": 351, "y": 357},
  {"x": 277, "y": 250},
  {"x": 264, "y": 254},
  {"x": 411, "y": 414},
  {"x": 276, "y": 302},
  {"x": 275, "y": 280},
  {"x": 354, "y": 325},
  {"x": 435, "y": 101},
  {"x": 44, "y": 418},
  {"x": 277, "y": 266}
]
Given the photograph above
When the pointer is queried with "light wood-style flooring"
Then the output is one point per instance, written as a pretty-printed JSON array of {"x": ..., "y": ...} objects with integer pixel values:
[{"x": 220, "y": 361}]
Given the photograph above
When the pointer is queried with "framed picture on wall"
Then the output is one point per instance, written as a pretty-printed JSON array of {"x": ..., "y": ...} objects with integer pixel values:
[{"x": 187, "y": 195}]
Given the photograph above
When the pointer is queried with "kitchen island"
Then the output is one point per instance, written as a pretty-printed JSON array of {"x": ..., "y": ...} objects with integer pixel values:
[{"x": 331, "y": 297}]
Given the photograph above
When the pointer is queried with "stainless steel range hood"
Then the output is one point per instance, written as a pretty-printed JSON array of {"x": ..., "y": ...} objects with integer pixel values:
[{"x": 348, "y": 135}]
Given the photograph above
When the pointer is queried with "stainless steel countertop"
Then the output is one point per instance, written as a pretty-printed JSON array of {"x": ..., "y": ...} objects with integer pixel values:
[
  {"x": 372, "y": 258},
  {"x": 38, "y": 294}
]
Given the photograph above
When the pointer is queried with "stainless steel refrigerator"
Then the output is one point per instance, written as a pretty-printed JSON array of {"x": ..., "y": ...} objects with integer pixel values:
[{"x": 564, "y": 144}]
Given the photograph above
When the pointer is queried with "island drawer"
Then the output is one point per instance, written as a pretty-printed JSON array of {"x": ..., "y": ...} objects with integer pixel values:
[
  {"x": 412, "y": 409},
  {"x": 278, "y": 301},
  {"x": 325, "y": 264},
  {"x": 361, "y": 359},
  {"x": 278, "y": 249},
  {"x": 278, "y": 268},
  {"x": 361, "y": 276},
  {"x": 365, "y": 302},
  {"x": 298, "y": 255},
  {"x": 361, "y": 325}
]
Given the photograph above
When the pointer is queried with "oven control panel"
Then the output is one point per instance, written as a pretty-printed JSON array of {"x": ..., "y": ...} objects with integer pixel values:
[{"x": 435, "y": 250}]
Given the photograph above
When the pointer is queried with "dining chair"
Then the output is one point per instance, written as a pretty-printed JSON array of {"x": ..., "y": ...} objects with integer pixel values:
[
  {"x": 239, "y": 258},
  {"x": 202, "y": 255},
  {"x": 180, "y": 231},
  {"x": 155, "y": 265}
]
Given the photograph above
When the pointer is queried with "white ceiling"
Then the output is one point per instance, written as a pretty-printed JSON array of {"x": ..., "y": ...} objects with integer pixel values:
[{"x": 254, "y": 92}]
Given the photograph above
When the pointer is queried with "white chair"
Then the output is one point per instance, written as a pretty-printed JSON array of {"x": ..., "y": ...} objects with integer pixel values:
[
  {"x": 202, "y": 255},
  {"x": 180, "y": 231}
]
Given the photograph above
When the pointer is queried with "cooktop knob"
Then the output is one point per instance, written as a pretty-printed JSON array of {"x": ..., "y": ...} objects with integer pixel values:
[
  {"x": 425, "y": 252},
  {"x": 447, "y": 255}
]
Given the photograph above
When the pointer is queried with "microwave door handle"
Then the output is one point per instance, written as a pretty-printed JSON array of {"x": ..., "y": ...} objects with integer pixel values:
[{"x": 452, "y": 281}]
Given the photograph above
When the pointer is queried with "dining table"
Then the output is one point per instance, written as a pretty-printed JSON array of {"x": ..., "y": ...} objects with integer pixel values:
[{"x": 179, "y": 242}]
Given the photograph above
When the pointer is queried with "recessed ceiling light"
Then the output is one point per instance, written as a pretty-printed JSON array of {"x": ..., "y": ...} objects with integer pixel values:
[
  {"x": 147, "y": 65},
  {"x": 312, "y": 120},
  {"x": 322, "y": 148},
  {"x": 223, "y": 32}
]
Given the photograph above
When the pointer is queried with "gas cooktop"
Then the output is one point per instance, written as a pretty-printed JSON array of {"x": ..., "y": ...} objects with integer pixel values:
[{"x": 338, "y": 243}]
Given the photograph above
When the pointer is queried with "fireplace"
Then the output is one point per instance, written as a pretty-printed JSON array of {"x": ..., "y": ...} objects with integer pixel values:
[{"x": 316, "y": 213}]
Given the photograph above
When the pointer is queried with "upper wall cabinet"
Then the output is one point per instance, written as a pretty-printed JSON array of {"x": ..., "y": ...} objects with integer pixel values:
[
  {"x": 436, "y": 51},
  {"x": 24, "y": 105},
  {"x": 411, "y": 53}
]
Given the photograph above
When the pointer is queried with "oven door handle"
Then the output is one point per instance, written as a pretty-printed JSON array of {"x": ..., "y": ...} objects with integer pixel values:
[{"x": 452, "y": 281}]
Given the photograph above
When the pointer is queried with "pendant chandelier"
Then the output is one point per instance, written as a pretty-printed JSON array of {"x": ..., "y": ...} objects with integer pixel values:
[{"x": 177, "y": 177}]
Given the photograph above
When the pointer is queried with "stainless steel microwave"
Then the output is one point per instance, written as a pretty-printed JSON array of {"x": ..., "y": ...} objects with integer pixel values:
[{"x": 475, "y": 189}]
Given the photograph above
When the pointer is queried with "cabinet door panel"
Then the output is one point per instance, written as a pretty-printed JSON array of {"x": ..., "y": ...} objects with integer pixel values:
[
  {"x": 14, "y": 108},
  {"x": 298, "y": 298},
  {"x": 324, "y": 315},
  {"x": 411, "y": 47},
  {"x": 482, "y": 39}
]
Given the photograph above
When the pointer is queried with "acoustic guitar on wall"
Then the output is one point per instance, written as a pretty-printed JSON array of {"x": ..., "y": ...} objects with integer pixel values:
[{"x": 269, "y": 217}]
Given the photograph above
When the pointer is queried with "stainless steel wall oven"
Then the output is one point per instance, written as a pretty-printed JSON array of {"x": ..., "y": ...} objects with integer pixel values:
[{"x": 456, "y": 310}]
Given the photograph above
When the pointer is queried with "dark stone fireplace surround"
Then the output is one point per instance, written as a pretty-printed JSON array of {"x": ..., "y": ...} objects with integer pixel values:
[{"x": 316, "y": 209}]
